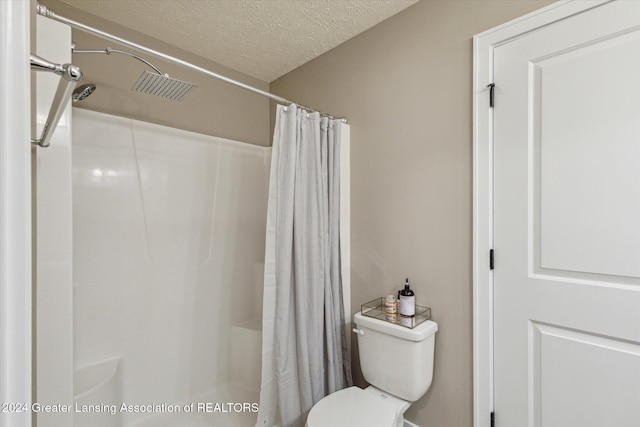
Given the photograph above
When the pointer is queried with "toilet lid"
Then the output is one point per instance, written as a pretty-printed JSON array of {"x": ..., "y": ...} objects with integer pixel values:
[{"x": 352, "y": 407}]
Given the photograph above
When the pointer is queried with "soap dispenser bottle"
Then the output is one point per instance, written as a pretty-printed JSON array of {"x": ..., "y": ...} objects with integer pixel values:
[{"x": 407, "y": 301}]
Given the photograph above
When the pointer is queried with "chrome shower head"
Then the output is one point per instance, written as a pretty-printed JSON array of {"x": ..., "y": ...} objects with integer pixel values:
[
  {"x": 163, "y": 86},
  {"x": 83, "y": 91},
  {"x": 157, "y": 83}
]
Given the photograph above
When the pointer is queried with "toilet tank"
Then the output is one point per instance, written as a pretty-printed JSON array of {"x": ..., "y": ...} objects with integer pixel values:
[{"x": 396, "y": 359}]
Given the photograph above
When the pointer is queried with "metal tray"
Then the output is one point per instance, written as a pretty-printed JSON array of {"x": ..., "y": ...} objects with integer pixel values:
[{"x": 375, "y": 309}]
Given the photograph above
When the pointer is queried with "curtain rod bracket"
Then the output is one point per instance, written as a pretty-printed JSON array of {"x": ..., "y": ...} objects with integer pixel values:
[{"x": 70, "y": 75}]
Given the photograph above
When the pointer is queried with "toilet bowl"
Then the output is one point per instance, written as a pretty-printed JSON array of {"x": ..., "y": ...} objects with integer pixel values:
[
  {"x": 355, "y": 407},
  {"x": 396, "y": 361}
]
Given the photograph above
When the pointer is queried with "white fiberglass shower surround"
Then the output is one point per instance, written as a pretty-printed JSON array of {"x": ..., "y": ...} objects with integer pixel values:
[
  {"x": 151, "y": 253},
  {"x": 150, "y": 244},
  {"x": 168, "y": 250}
]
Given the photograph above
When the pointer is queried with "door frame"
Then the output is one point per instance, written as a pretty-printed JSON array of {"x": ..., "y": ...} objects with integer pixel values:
[
  {"x": 483, "y": 309},
  {"x": 15, "y": 212}
]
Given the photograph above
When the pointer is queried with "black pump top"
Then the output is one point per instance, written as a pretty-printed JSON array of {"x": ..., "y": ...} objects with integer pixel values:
[{"x": 406, "y": 292}]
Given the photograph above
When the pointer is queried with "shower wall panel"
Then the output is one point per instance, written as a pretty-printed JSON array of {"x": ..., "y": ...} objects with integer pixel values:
[
  {"x": 168, "y": 234},
  {"x": 52, "y": 204}
]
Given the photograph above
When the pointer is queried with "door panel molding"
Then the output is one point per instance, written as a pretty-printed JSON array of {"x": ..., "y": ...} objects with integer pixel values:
[{"x": 553, "y": 351}]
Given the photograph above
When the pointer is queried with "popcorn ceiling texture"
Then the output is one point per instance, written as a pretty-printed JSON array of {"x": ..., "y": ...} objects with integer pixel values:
[{"x": 262, "y": 38}]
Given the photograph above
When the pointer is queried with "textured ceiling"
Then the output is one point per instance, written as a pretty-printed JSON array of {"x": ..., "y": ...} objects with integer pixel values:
[{"x": 262, "y": 38}]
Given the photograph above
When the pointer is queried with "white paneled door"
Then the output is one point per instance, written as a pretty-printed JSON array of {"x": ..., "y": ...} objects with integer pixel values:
[{"x": 567, "y": 222}]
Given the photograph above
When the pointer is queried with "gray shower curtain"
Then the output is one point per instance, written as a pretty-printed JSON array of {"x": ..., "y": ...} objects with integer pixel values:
[{"x": 309, "y": 343}]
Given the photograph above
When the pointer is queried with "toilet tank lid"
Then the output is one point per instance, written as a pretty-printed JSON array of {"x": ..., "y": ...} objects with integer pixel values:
[{"x": 419, "y": 333}]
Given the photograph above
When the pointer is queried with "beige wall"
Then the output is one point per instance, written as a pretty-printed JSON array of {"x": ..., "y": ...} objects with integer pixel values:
[
  {"x": 406, "y": 88},
  {"x": 214, "y": 108}
]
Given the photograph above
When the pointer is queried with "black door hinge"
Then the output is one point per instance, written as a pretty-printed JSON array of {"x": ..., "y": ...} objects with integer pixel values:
[
  {"x": 493, "y": 419},
  {"x": 491, "y": 87},
  {"x": 490, "y": 259}
]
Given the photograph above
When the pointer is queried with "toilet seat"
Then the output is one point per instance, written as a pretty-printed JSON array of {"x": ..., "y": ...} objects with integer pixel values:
[{"x": 352, "y": 407}]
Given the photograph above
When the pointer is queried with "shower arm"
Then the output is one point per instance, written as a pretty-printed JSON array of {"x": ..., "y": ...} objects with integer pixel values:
[
  {"x": 109, "y": 51},
  {"x": 70, "y": 75}
]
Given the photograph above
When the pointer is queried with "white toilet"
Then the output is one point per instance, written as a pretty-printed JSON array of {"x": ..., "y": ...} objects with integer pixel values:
[{"x": 396, "y": 361}]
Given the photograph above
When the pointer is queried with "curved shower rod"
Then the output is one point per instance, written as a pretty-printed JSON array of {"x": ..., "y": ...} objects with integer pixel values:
[{"x": 45, "y": 11}]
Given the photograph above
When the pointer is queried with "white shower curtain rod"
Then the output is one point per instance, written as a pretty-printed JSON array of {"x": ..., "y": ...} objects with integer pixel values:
[{"x": 45, "y": 11}]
